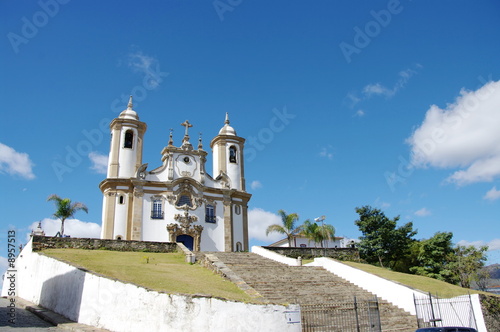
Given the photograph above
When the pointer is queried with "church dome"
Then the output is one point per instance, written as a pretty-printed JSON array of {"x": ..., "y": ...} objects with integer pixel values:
[
  {"x": 129, "y": 113},
  {"x": 227, "y": 129}
]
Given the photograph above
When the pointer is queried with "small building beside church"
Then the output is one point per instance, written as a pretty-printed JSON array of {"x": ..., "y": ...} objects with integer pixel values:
[
  {"x": 300, "y": 241},
  {"x": 178, "y": 201}
]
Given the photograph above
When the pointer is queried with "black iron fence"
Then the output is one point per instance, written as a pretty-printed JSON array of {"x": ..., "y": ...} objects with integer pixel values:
[
  {"x": 434, "y": 311},
  {"x": 356, "y": 316}
]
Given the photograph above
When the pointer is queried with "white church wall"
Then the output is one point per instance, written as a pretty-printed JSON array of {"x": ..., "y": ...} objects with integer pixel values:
[
  {"x": 212, "y": 238},
  {"x": 127, "y": 156},
  {"x": 121, "y": 213},
  {"x": 215, "y": 160},
  {"x": 156, "y": 229},
  {"x": 117, "y": 306}
]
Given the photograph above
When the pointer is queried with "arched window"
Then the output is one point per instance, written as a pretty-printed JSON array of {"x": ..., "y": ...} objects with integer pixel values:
[
  {"x": 129, "y": 139},
  {"x": 184, "y": 199},
  {"x": 237, "y": 209},
  {"x": 121, "y": 200},
  {"x": 232, "y": 154},
  {"x": 210, "y": 214},
  {"x": 239, "y": 247},
  {"x": 118, "y": 237}
]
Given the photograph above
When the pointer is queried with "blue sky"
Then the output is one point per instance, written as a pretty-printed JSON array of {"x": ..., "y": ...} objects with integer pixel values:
[{"x": 393, "y": 104}]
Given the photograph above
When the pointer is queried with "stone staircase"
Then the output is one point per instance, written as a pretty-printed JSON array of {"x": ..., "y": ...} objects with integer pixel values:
[{"x": 280, "y": 283}]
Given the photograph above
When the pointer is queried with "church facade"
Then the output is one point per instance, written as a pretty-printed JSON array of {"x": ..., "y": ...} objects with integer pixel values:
[{"x": 177, "y": 201}]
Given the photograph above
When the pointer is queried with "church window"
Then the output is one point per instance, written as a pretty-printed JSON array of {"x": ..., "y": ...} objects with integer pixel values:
[
  {"x": 210, "y": 213},
  {"x": 157, "y": 208},
  {"x": 184, "y": 199},
  {"x": 239, "y": 247},
  {"x": 237, "y": 209},
  {"x": 232, "y": 154},
  {"x": 121, "y": 200},
  {"x": 129, "y": 139},
  {"x": 118, "y": 237}
]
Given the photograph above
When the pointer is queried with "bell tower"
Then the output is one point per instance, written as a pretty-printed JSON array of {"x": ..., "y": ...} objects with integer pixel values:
[
  {"x": 125, "y": 154},
  {"x": 122, "y": 202},
  {"x": 227, "y": 150}
]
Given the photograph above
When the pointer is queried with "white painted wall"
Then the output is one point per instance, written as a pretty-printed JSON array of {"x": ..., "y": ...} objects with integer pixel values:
[
  {"x": 121, "y": 214},
  {"x": 234, "y": 169},
  {"x": 275, "y": 256},
  {"x": 127, "y": 157},
  {"x": 395, "y": 293},
  {"x": 117, "y": 306}
]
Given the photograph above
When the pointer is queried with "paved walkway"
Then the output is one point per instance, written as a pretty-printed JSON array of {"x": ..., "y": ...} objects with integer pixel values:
[
  {"x": 30, "y": 317},
  {"x": 25, "y": 321}
]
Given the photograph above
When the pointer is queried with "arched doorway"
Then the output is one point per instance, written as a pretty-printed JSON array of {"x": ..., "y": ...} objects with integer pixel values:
[{"x": 186, "y": 240}]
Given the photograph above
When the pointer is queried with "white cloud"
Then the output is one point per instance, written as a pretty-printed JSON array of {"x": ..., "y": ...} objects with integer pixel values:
[
  {"x": 377, "y": 89},
  {"x": 325, "y": 152},
  {"x": 148, "y": 66},
  {"x": 381, "y": 204},
  {"x": 15, "y": 163},
  {"x": 463, "y": 135},
  {"x": 492, "y": 194},
  {"x": 492, "y": 245},
  {"x": 423, "y": 212},
  {"x": 360, "y": 113},
  {"x": 352, "y": 99},
  {"x": 72, "y": 227},
  {"x": 99, "y": 162},
  {"x": 256, "y": 184},
  {"x": 258, "y": 221}
]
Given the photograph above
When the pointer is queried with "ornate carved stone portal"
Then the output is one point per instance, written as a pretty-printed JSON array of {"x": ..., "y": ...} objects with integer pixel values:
[{"x": 185, "y": 228}]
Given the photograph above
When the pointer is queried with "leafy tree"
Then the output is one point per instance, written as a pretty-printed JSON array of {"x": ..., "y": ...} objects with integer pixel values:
[
  {"x": 381, "y": 241},
  {"x": 409, "y": 260},
  {"x": 288, "y": 226},
  {"x": 317, "y": 233},
  {"x": 65, "y": 209},
  {"x": 467, "y": 262},
  {"x": 435, "y": 256},
  {"x": 482, "y": 279}
]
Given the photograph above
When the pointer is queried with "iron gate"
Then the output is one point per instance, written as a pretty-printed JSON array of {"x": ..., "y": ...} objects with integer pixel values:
[
  {"x": 355, "y": 316},
  {"x": 433, "y": 311}
]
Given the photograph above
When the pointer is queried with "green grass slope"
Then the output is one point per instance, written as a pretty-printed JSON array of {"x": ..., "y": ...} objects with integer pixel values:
[
  {"x": 164, "y": 272},
  {"x": 436, "y": 287}
]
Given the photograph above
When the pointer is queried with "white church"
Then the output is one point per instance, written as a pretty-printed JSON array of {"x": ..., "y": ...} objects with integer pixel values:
[{"x": 177, "y": 201}]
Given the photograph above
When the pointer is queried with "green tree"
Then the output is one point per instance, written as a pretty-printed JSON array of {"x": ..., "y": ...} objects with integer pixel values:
[
  {"x": 65, "y": 209},
  {"x": 467, "y": 263},
  {"x": 435, "y": 256},
  {"x": 318, "y": 233},
  {"x": 382, "y": 241},
  {"x": 288, "y": 226}
]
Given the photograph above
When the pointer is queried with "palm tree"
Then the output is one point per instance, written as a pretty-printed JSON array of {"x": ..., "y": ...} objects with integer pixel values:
[
  {"x": 288, "y": 228},
  {"x": 317, "y": 233},
  {"x": 65, "y": 208}
]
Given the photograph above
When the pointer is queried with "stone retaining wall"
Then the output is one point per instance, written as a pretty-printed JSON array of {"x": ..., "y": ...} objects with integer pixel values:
[
  {"x": 343, "y": 254},
  {"x": 48, "y": 242},
  {"x": 491, "y": 311}
]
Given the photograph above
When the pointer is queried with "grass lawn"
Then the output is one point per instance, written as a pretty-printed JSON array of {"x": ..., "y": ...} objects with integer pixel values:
[
  {"x": 436, "y": 287},
  {"x": 166, "y": 272}
]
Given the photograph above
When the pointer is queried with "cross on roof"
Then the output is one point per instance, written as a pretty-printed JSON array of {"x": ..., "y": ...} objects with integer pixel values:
[{"x": 187, "y": 125}]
